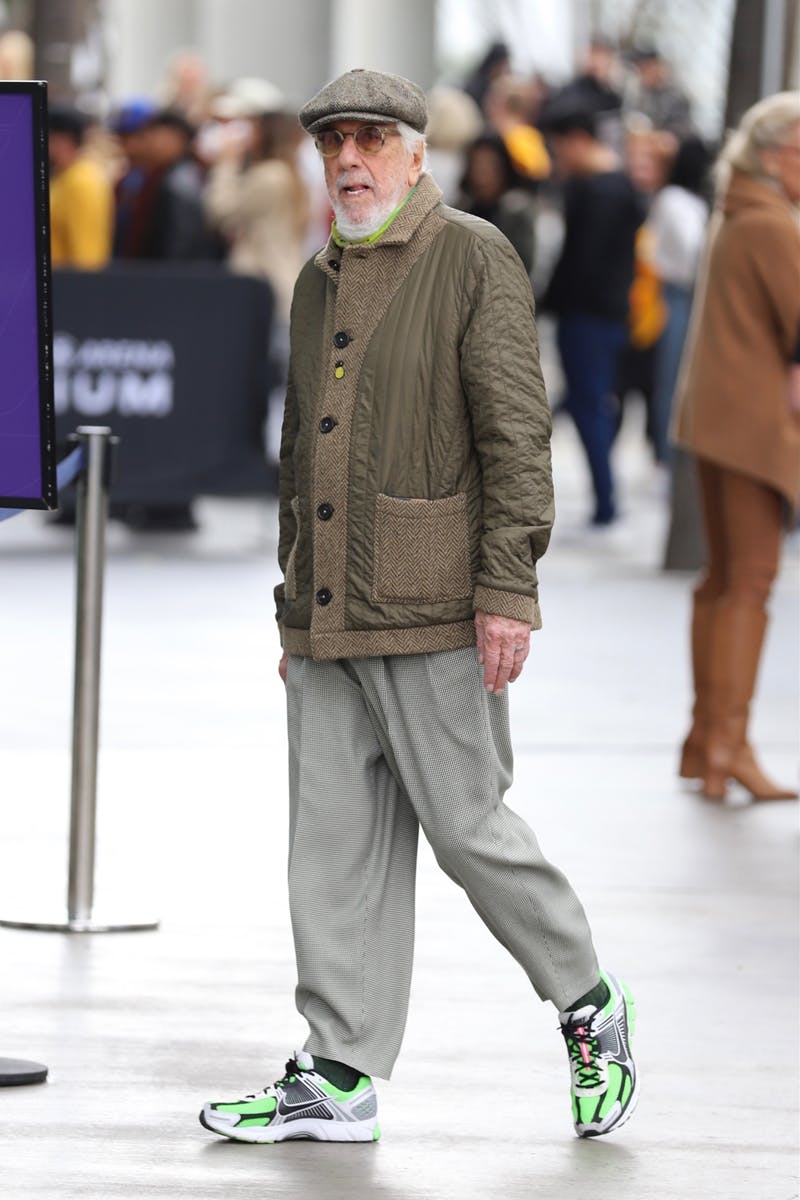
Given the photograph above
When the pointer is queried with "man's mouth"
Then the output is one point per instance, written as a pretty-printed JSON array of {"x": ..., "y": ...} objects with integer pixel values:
[{"x": 354, "y": 189}]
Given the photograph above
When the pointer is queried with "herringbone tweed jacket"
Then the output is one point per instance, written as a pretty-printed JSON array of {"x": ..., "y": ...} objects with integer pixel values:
[{"x": 415, "y": 480}]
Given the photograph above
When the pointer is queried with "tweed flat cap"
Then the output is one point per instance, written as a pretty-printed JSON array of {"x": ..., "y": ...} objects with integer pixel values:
[{"x": 366, "y": 96}]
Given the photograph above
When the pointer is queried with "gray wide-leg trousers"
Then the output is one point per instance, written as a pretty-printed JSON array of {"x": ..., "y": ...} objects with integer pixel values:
[{"x": 377, "y": 748}]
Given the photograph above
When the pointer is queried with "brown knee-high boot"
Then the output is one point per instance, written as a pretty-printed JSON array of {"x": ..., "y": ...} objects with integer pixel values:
[
  {"x": 693, "y": 751},
  {"x": 737, "y": 638}
]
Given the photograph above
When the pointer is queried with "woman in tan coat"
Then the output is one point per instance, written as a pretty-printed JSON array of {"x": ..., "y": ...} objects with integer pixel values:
[
  {"x": 257, "y": 199},
  {"x": 740, "y": 417}
]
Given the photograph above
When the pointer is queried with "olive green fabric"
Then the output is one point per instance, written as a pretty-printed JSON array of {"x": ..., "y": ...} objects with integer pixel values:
[{"x": 430, "y": 495}]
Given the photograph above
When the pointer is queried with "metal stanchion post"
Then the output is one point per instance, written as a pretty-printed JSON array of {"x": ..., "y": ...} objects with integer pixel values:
[
  {"x": 91, "y": 515},
  {"x": 92, "y": 512}
]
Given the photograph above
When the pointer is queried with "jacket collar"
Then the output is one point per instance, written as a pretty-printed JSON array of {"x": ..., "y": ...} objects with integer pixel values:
[
  {"x": 426, "y": 197},
  {"x": 748, "y": 191}
]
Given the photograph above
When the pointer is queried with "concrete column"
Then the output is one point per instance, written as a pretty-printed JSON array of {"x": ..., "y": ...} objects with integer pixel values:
[
  {"x": 386, "y": 36},
  {"x": 68, "y": 47},
  {"x": 142, "y": 35},
  {"x": 297, "y": 46},
  {"x": 772, "y": 46},
  {"x": 284, "y": 43}
]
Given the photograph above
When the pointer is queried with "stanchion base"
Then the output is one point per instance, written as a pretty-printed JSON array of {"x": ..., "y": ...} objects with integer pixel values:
[
  {"x": 93, "y": 925},
  {"x": 14, "y": 1072}
]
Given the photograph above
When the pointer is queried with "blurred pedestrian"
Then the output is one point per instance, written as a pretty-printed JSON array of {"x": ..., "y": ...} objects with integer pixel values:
[
  {"x": 590, "y": 285},
  {"x": 81, "y": 196},
  {"x": 170, "y": 223},
  {"x": 16, "y": 55},
  {"x": 490, "y": 190},
  {"x": 596, "y": 89},
  {"x": 258, "y": 201},
  {"x": 129, "y": 125},
  {"x": 647, "y": 154},
  {"x": 415, "y": 500},
  {"x": 511, "y": 107},
  {"x": 655, "y": 94},
  {"x": 454, "y": 122},
  {"x": 495, "y": 63},
  {"x": 677, "y": 223},
  {"x": 165, "y": 222},
  {"x": 740, "y": 420},
  {"x": 186, "y": 86},
  {"x": 256, "y": 198}
]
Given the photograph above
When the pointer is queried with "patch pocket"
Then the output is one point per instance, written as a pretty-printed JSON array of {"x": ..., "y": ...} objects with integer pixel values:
[
  {"x": 421, "y": 550},
  {"x": 290, "y": 580}
]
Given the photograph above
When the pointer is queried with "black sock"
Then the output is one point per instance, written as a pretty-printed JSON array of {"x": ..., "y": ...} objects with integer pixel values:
[
  {"x": 339, "y": 1074},
  {"x": 598, "y": 997}
]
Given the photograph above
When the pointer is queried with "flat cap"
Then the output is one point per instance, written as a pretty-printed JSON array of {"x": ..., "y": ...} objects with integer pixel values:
[{"x": 361, "y": 95}]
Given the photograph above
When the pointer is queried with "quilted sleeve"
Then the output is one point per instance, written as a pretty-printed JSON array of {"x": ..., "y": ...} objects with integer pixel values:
[{"x": 511, "y": 424}]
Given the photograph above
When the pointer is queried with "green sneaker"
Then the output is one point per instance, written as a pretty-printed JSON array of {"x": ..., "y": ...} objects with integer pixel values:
[
  {"x": 301, "y": 1105},
  {"x": 605, "y": 1083}
]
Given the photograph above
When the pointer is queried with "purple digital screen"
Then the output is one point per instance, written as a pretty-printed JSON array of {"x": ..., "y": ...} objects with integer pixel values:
[{"x": 26, "y": 441}]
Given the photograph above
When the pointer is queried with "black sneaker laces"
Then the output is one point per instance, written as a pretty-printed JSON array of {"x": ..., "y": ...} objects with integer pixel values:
[
  {"x": 583, "y": 1049},
  {"x": 291, "y": 1070}
]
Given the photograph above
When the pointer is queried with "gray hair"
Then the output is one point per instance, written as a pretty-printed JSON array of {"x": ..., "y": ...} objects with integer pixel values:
[
  {"x": 763, "y": 126},
  {"x": 411, "y": 139}
]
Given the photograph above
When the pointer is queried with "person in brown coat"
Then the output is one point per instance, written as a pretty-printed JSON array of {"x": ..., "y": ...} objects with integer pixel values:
[{"x": 739, "y": 416}]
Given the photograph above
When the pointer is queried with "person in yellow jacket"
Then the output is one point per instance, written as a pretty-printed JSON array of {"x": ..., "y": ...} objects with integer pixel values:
[
  {"x": 81, "y": 197},
  {"x": 509, "y": 107}
]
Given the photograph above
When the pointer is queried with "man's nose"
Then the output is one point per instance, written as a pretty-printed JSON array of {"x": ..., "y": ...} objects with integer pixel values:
[{"x": 349, "y": 155}]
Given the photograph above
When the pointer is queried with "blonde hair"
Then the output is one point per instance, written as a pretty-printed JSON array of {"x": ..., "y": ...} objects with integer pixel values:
[
  {"x": 762, "y": 127},
  {"x": 16, "y": 55}
]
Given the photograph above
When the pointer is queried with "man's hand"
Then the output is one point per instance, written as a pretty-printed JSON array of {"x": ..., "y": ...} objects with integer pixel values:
[
  {"x": 503, "y": 646},
  {"x": 282, "y": 665}
]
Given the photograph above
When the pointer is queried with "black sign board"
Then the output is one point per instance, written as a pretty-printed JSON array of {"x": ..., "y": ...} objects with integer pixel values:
[{"x": 175, "y": 360}]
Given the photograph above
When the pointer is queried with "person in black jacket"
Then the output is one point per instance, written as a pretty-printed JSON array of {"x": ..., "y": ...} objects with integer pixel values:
[
  {"x": 594, "y": 89},
  {"x": 168, "y": 222},
  {"x": 588, "y": 291},
  {"x": 491, "y": 189}
]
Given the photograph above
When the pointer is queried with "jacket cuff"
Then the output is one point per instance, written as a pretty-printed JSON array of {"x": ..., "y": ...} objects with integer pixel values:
[{"x": 514, "y": 605}]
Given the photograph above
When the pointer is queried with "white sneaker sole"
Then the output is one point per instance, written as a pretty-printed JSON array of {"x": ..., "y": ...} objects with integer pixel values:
[{"x": 311, "y": 1129}]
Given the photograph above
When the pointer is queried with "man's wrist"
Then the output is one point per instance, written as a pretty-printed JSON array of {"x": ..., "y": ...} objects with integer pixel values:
[{"x": 515, "y": 605}]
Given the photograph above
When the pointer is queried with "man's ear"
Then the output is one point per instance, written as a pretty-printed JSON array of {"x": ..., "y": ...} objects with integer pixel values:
[{"x": 415, "y": 164}]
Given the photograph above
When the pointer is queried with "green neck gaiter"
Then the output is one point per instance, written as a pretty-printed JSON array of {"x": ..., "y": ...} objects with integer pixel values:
[{"x": 341, "y": 242}]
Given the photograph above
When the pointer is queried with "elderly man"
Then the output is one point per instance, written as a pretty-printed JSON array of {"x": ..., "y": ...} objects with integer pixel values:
[{"x": 415, "y": 500}]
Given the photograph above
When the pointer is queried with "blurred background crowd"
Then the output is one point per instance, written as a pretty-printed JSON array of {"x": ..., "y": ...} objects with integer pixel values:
[{"x": 598, "y": 171}]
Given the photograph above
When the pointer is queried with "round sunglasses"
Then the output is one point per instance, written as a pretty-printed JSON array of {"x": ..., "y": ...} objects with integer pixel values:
[{"x": 368, "y": 138}]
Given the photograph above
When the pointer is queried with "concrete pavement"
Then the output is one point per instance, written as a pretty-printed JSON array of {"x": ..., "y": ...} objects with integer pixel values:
[{"x": 695, "y": 904}]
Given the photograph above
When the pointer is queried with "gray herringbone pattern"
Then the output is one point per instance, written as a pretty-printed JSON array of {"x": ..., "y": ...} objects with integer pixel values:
[{"x": 378, "y": 748}]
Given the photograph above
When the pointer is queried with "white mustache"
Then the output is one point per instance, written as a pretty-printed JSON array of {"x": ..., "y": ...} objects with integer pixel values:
[{"x": 343, "y": 180}]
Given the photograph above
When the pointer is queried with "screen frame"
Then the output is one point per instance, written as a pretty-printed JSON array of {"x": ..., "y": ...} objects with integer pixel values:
[{"x": 37, "y": 91}]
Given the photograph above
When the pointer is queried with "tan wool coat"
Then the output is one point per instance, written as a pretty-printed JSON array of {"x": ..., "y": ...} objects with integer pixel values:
[
  {"x": 255, "y": 208},
  {"x": 415, "y": 462},
  {"x": 734, "y": 394}
]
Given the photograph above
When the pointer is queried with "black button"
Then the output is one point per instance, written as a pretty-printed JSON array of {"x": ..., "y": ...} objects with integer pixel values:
[
  {"x": 324, "y": 596},
  {"x": 325, "y": 512},
  {"x": 326, "y": 424},
  {"x": 341, "y": 339},
  {"x": 334, "y": 264}
]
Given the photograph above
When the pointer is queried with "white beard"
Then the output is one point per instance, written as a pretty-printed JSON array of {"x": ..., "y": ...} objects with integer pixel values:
[{"x": 352, "y": 231}]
